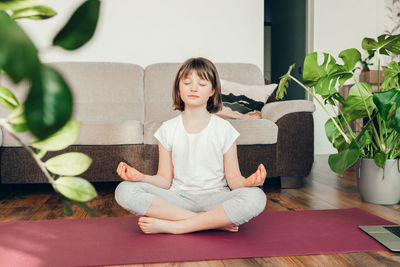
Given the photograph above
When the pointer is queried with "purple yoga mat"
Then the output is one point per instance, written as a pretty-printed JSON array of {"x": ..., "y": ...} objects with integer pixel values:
[{"x": 106, "y": 241}]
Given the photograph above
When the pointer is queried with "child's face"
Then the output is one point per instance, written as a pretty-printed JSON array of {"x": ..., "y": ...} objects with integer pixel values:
[{"x": 195, "y": 91}]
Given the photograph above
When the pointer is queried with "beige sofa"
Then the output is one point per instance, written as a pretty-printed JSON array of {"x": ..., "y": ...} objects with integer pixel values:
[{"x": 121, "y": 105}]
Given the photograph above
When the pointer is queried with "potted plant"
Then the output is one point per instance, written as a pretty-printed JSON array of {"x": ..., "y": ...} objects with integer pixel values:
[{"x": 376, "y": 148}]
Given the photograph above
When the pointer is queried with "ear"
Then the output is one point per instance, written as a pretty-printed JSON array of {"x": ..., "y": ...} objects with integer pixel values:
[{"x": 212, "y": 92}]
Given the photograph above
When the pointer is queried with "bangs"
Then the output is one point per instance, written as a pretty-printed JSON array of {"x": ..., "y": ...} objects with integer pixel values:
[{"x": 201, "y": 69}]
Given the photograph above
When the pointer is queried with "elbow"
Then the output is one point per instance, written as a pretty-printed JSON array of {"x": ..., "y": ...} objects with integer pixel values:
[
  {"x": 167, "y": 180},
  {"x": 235, "y": 183}
]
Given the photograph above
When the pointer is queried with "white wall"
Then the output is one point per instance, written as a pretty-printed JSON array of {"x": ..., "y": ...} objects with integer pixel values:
[
  {"x": 338, "y": 25},
  {"x": 150, "y": 31}
]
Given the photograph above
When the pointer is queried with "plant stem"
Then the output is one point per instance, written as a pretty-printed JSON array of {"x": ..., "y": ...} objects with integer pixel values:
[
  {"x": 393, "y": 142},
  {"x": 7, "y": 128},
  {"x": 377, "y": 136},
  {"x": 323, "y": 107},
  {"x": 379, "y": 72}
]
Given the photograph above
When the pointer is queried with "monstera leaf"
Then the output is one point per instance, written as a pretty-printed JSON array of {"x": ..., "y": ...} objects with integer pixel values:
[
  {"x": 384, "y": 101},
  {"x": 359, "y": 103},
  {"x": 384, "y": 44},
  {"x": 324, "y": 77}
]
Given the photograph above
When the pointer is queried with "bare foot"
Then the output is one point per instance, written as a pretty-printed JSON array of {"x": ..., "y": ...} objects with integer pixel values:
[
  {"x": 151, "y": 225},
  {"x": 230, "y": 228},
  {"x": 129, "y": 173}
]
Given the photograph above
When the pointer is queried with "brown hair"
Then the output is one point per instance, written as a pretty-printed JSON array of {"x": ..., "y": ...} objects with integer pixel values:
[{"x": 206, "y": 70}]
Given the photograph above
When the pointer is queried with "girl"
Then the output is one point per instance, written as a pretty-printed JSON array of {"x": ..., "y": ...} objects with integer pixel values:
[{"x": 197, "y": 162}]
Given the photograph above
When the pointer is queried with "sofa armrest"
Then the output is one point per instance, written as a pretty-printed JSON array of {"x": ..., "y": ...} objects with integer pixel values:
[
  {"x": 295, "y": 146},
  {"x": 276, "y": 110}
]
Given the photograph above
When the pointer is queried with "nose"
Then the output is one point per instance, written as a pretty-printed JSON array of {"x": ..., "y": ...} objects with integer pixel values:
[{"x": 193, "y": 88}]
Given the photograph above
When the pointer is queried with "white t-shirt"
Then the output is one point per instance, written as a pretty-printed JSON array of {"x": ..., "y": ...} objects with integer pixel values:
[{"x": 197, "y": 158}]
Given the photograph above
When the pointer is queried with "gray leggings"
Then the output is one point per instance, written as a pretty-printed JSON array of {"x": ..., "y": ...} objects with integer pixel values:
[{"x": 240, "y": 205}]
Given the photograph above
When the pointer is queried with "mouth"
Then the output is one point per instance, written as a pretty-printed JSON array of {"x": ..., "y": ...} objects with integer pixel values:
[{"x": 193, "y": 96}]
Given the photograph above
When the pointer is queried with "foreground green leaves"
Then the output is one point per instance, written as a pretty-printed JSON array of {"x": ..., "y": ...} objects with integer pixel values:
[
  {"x": 48, "y": 106},
  {"x": 35, "y": 12},
  {"x": 49, "y": 103},
  {"x": 75, "y": 188},
  {"x": 16, "y": 4},
  {"x": 81, "y": 26},
  {"x": 18, "y": 55},
  {"x": 7, "y": 98},
  {"x": 69, "y": 164},
  {"x": 65, "y": 137}
]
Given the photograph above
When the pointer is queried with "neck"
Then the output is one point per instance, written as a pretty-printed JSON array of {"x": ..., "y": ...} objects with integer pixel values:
[{"x": 196, "y": 113}]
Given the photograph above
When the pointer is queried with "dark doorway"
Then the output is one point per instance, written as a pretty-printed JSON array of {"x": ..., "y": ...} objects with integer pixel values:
[{"x": 287, "y": 22}]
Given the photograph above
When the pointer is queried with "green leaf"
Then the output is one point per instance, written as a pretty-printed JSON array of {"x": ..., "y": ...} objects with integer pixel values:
[
  {"x": 350, "y": 58},
  {"x": 384, "y": 44},
  {"x": 66, "y": 207},
  {"x": 16, "y": 4},
  {"x": 284, "y": 83},
  {"x": 343, "y": 160},
  {"x": 81, "y": 26},
  {"x": 333, "y": 134},
  {"x": 49, "y": 103},
  {"x": 61, "y": 139},
  {"x": 358, "y": 101},
  {"x": 86, "y": 208},
  {"x": 18, "y": 56},
  {"x": 395, "y": 124},
  {"x": 392, "y": 73},
  {"x": 380, "y": 159},
  {"x": 69, "y": 164},
  {"x": 8, "y": 99},
  {"x": 75, "y": 188},
  {"x": 384, "y": 101},
  {"x": 17, "y": 119},
  {"x": 312, "y": 72},
  {"x": 35, "y": 12}
]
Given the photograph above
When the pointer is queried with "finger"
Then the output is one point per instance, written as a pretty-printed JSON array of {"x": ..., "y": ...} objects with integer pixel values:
[{"x": 119, "y": 167}]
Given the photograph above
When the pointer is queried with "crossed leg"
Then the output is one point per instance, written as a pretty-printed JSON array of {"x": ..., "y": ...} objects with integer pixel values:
[
  {"x": 212, "y": 219},
  {"x": 164, "y": 217}
]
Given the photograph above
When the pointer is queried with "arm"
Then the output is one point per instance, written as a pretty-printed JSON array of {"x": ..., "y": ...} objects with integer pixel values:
[
  {"x": 232, "y": 171},
  {"x": 162, "y": 179}
]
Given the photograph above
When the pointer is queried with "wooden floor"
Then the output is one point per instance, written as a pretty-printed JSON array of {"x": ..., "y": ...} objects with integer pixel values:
[{"x": 322, "y": 190}]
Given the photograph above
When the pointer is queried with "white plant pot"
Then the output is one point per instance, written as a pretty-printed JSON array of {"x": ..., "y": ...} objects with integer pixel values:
[{"x": 377, "y": 185}]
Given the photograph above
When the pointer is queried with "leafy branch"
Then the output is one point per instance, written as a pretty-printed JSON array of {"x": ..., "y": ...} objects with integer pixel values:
[{"x": 47, "y": 109}]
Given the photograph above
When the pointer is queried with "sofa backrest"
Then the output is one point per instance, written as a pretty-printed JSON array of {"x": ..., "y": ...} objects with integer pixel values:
[
  {"x": 159, "y": 78},
  {"x": 104, "y": 91}
]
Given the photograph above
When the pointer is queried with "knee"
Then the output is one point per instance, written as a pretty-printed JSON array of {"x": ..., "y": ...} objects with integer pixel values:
[
  {"x": 133, "y": 197},
  {"x": 255, "y": 199},
  {"x": 125, "y": 191},
  {"x": 122, "y": 193}
]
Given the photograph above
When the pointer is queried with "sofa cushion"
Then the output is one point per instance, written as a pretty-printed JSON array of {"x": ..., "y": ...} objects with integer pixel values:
[
  {"x": 252, "y": 132},
  {"x": 96, "y": 133},
  {"x": 104, "y": 91},
  {"x": 159, "y": 78}
]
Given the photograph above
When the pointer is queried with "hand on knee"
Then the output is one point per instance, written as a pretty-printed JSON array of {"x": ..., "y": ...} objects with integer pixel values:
[
  {"x": 129, "y": 173},
  {"x": 256, "y": 178}
]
